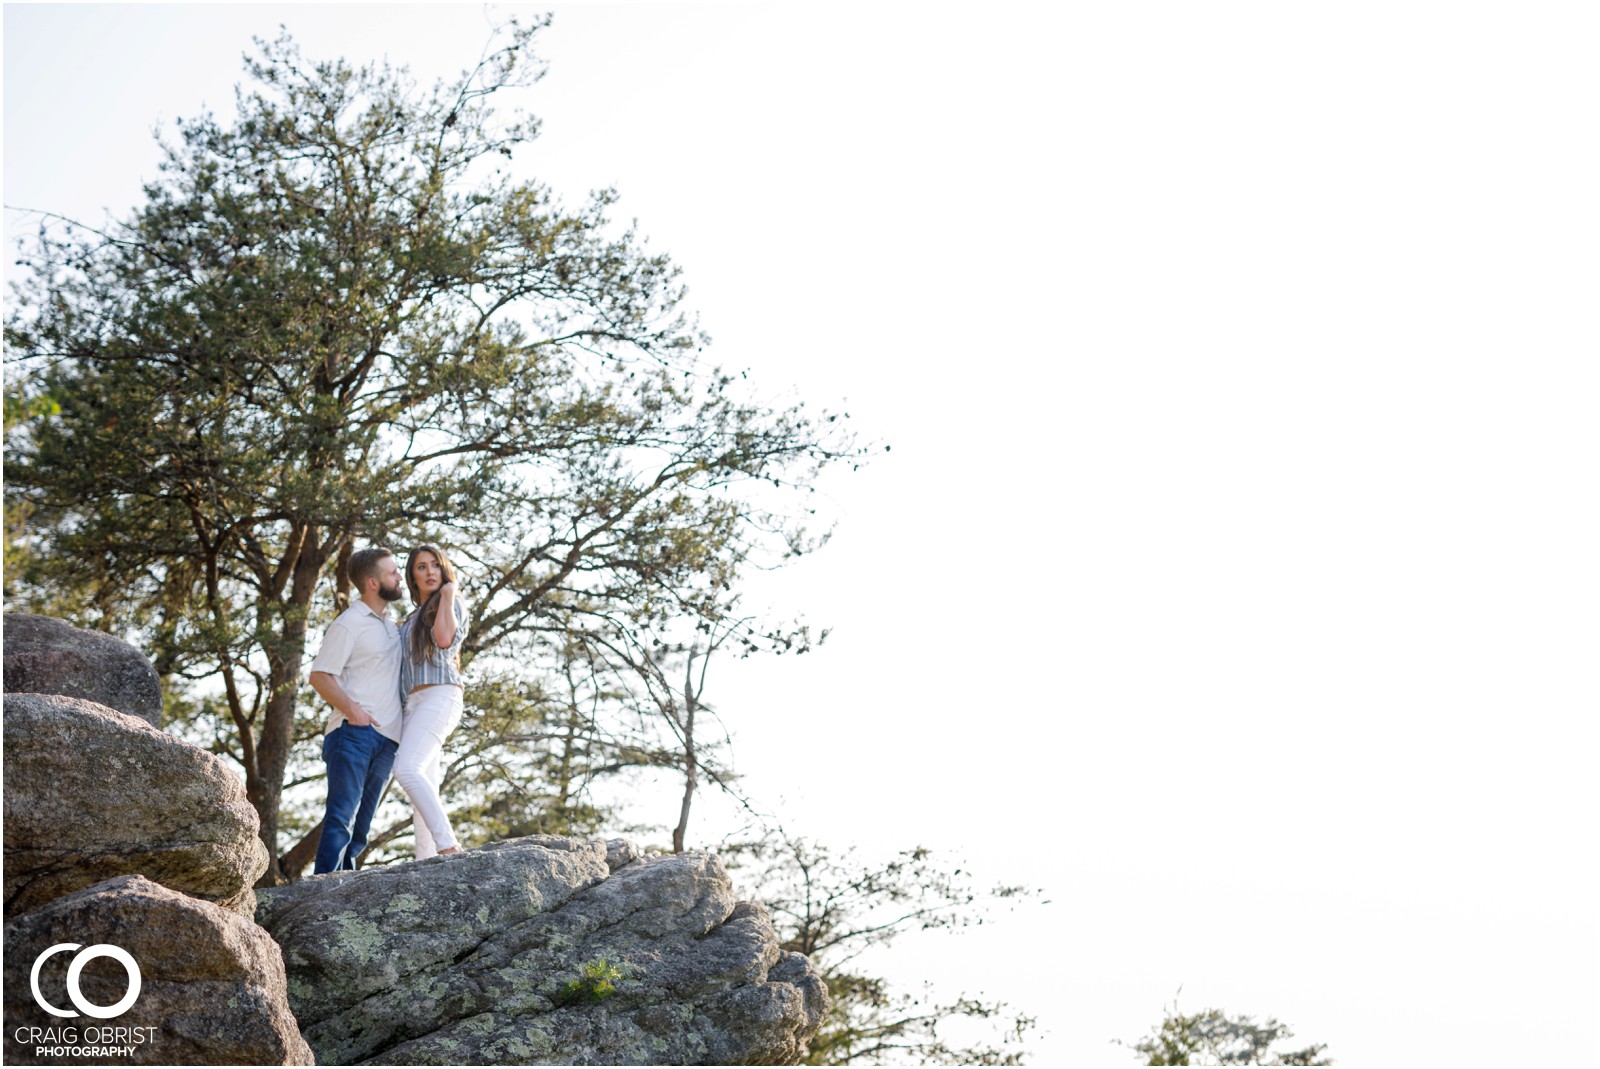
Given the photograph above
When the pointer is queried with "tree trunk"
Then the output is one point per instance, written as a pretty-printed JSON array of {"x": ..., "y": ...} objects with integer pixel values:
[
  {"x": 284, "y": 658},
  {"x": 292, "y": 865},
  {"x": 276, "y": 740},
  {"x": 689, "y": 777}
]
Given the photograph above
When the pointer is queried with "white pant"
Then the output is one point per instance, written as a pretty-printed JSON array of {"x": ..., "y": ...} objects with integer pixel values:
[{"x": 431, "y": 714}]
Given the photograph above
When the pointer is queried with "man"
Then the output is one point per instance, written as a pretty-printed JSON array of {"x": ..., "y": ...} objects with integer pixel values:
[{"x": 357, "y": 672}]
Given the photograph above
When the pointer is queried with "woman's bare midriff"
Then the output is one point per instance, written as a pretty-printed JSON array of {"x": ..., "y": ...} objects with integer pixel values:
[{"x": 425, "y": 686}]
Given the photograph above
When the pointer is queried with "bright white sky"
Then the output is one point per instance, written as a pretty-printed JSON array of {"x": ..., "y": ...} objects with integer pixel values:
[{"x": 1234, "y": 573}]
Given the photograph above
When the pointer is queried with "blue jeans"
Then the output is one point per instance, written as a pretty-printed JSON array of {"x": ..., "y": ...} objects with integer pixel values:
[{"x": 359, "y": 760}]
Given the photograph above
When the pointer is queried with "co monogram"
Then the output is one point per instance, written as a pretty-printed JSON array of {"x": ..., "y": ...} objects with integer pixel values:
[{"x": 74, "y": 973}]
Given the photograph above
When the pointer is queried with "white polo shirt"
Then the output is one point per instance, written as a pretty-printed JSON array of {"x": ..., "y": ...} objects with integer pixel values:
[{"x": 362, "y": 651}]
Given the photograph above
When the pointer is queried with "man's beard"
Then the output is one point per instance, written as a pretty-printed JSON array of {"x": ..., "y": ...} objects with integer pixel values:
[{"x": 389, "y": 593}]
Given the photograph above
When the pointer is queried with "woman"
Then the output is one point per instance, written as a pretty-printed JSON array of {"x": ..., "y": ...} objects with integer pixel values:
[{"x": 430, "y": 686}]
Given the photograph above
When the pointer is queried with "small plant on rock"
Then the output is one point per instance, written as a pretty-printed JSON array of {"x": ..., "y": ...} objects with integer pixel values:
[{"x": 596, "y": 982}]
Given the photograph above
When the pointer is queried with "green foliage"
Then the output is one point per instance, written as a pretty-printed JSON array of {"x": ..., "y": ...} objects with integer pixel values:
[
  {"x": 1212, "y": 1037},
  {"x": 597, "y": 981},
  {"x": 22, "y": 406},
  {"x": 341, "y": 318},
  {"x": 833, "y": 907}
]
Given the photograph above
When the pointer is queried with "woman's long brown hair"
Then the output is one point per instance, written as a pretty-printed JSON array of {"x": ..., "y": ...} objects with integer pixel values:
[{"x": 422, "y": 647}]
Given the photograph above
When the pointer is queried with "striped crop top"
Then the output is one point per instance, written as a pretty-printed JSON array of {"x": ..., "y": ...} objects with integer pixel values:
[{"x": 440, "y": 666}]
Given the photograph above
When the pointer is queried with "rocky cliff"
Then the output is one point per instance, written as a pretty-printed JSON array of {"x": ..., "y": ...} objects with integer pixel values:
[
  {"x": 531, "y": 950},
  {"x": 118, "y": 835},
  {"x": 541, "y": 949}
]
